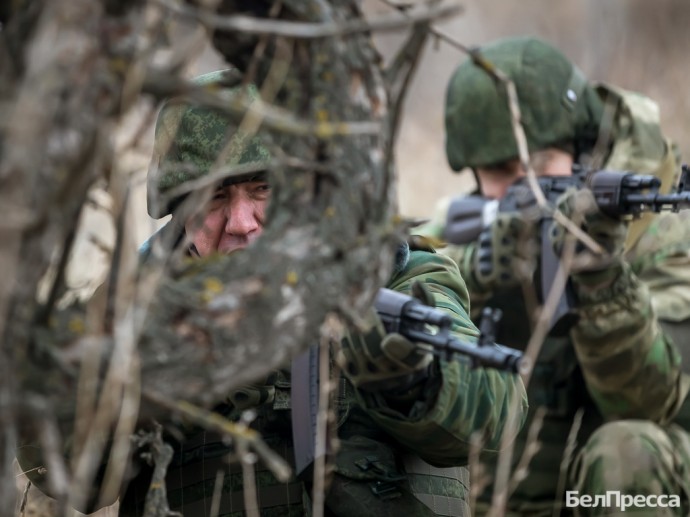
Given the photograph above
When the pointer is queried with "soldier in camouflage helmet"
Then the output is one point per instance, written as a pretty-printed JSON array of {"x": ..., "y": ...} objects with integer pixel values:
[
  {"x": 380, "y": 463},
  {"x": 619, "y": 366},
  {"x": 404, "y": 421},
  {"x": 191, "y": 140}
]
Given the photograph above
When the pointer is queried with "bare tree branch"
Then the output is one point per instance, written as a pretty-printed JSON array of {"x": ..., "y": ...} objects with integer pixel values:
[{"x": 309, "y": 30}]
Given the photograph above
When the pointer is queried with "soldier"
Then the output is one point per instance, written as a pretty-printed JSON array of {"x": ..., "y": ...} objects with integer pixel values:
[
  {"x": 619, "y": 366},
  {"x": 396, "y": 418}
]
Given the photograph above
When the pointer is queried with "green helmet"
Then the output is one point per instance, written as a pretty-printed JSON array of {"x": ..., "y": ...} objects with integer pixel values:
[
  {"x": 190, "y": 139},
  {"x": 558, "y": 106}
]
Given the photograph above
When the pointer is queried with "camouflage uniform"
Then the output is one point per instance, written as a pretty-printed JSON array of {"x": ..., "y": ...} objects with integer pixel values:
[
  {"x": 387, "y": 463},
  {"x": 384, "y": 458},
  {"x": 620, "y": 366}
]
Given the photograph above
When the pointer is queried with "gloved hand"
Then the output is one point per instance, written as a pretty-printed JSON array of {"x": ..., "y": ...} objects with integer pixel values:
[
  {"x": 377, "y": 361},
  {"x": 580, "y": 206},
  {"x": 505, "y": 253}
]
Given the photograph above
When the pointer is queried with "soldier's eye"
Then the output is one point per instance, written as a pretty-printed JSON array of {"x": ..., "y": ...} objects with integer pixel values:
[
  {"x": 262, "y": 190},
  {"x": 219, "y": 194},
  {"x": 265, "y": 187}
]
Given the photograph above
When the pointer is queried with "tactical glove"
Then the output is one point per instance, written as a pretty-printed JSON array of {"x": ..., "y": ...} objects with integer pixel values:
[
  {"x": 580, "y": 206},
  {"x": 376, "y": 361},
  {"x": 504, "y": 254}
]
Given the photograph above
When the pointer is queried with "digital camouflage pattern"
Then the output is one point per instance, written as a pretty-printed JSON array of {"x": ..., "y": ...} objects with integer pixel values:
[
  {"x": 557, "y": 104},
  {"x": 194, "y": 140},
  {"x": 619, "y": 381},
  {"x": 400, "y": 457},
  {"x": 622, "y": 361},
  {"x": 638, "y": 144},
  {"x": 635, "y": 457},
  {"x": 465, "y": 394}
]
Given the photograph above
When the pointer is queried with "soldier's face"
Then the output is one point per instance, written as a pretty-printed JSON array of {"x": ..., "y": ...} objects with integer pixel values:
[
  {"x": 234, "y": 219},
  {"x": 494, "y": 182}
]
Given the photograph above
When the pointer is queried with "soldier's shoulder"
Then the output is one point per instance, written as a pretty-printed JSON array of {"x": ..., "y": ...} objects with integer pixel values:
[{"x": 667, "y": 232}]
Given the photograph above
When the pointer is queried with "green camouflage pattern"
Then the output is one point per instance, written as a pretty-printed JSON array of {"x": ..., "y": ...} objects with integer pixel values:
[
  {"x": 634, "y": 457},
  {"x": 438, "y": 429},
  {"x": 632, "y": 369},
  {"x": 626, "y": 361},
  {"x": 192, "y": 140},
  {"x": 623, "y": 360},
  {"x": 660, "y": 254},
  {"x": 638, "y": 142},
  {"x": 557, "y": 104},
  {"x": 380, "y": 449}
]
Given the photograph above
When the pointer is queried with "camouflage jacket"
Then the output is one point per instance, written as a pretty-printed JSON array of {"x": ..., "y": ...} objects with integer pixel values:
[
  {"x": 623, "y": 358},
  {"x": 378, "y": 464},
  {"x": 387, "y": 462}
]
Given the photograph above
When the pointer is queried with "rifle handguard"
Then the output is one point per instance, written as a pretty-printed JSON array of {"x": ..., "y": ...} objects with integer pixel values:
[{"x": 420, "y": 323}]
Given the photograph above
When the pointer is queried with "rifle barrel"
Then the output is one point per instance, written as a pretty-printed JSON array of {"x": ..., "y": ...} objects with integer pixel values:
[{"x": 659, "y": 202}]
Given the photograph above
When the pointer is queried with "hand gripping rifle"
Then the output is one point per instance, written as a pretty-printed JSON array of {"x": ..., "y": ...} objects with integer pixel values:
[
  {"x": 417, "y": 322},
  {"x": 619, "y": 194},
  {"x": 421, "y": 323}
]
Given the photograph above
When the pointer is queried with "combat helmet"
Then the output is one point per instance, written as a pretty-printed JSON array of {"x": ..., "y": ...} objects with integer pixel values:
[
  {"x": 193, "y": 139},
  {"x": 559, "y": 107}
]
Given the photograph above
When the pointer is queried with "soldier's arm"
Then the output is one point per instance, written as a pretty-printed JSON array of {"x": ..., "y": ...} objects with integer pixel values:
[
  {"x": 461, "y": 255},
  {"x": 625, "y": 337},
  {"x": 456, "y": 401}
]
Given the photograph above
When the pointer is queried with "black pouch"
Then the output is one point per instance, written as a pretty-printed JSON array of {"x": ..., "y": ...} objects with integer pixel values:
[{"x": 368, "y": 481}]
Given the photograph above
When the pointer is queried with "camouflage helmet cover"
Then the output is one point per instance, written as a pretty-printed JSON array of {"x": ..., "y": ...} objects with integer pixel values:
[
  {"x": 557, "y": 104},
  {"x": 190, "y": 139}
]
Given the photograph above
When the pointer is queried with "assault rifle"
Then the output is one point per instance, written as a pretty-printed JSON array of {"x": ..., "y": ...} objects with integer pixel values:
[
  {"x": 419, "y": 323},
  {"x": 619, "y": 194}
]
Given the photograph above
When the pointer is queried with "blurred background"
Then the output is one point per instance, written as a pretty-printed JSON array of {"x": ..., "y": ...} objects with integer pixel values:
[{"x": 635, "y": 44}]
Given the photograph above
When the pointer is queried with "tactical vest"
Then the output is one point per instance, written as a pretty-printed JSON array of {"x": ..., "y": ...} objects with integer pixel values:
[{"x": 371, "y": 475}]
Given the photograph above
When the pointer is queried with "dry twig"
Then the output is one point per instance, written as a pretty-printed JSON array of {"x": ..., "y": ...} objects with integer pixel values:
[{"x": 308, "y": 30}]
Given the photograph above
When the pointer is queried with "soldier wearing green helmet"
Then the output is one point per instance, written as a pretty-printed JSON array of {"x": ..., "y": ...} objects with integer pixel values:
[
  {"x": 193, "y": 140},
  {"x": 558, "y": 106},
  {"x": 380, "y": 465},
  {"x": 612, "y": 388},
  {"x": 402, "y": 448}
]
